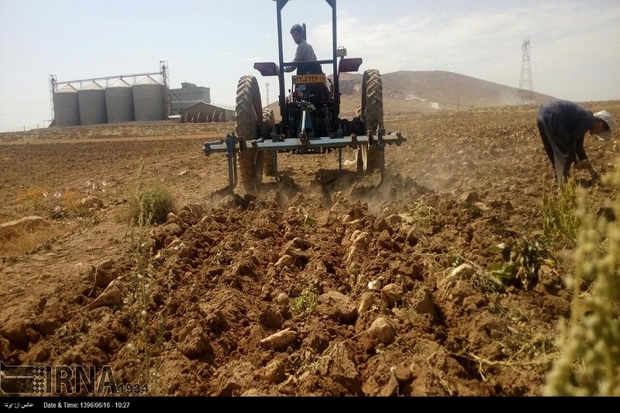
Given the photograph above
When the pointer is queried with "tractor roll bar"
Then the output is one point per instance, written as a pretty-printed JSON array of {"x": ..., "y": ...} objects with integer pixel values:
[{"x": 281, "y": 98}]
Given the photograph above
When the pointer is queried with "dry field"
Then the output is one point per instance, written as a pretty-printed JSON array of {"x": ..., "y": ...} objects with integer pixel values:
[{"x": 318, "y": 285}]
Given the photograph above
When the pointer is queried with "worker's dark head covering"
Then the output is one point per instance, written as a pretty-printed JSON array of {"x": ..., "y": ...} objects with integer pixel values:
[{"x": 297, "y": 28}]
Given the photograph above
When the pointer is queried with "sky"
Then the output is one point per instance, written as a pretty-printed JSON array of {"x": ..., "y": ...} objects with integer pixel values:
[{"x": 574, "y": 45}]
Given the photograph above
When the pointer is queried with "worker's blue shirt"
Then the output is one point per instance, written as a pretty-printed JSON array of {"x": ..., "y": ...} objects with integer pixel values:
[{"x": 568, "y": 122}]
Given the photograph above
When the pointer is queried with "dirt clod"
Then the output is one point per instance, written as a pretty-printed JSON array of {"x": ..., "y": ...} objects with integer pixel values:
[{"x": 315, "y": 284}]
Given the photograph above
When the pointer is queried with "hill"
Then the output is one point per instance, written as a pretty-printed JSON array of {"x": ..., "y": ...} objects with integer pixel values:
[
  {"x": 408, "y": 91},
  {"x": 415, "y": 91}
]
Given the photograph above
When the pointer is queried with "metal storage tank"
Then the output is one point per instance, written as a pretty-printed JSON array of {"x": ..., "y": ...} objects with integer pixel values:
[
  {"x": 92, "y": 105},
  {"x": 119, "y": 102},
  {"x": 66, "y": 107},
  {"x": 148, "y": 100}
]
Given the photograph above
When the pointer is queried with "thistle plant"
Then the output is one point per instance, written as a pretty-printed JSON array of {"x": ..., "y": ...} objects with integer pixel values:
[
  {"x": 150, "y": 205},
  {"x": 589, "y": 364}
]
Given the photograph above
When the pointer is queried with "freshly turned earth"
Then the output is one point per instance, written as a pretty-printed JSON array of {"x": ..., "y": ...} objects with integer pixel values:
[{"x": 208, "y": 308}]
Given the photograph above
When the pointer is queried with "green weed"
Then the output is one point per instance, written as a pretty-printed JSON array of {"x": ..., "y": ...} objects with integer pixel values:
[
  {"x": 421, "y": 213},
  {"x": 150, "y": 201},
  {"x": 305, "y": 304},
  {"x": 560, "y": 224},
  {"x": 522, "y": 261}
]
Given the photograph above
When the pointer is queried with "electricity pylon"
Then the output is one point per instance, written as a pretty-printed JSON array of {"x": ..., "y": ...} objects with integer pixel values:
[{"x": 526, "y": 87}]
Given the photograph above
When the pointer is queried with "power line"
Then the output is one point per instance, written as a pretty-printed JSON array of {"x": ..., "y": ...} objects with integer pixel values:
[{"x": 588, "y": 55}]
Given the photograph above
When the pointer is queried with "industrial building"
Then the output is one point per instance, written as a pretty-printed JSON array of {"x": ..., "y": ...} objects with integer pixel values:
[
  {"x": 204, "y": 112},
  {"x": 188, "y": 95},
  {"x": 142, "y": 97}
]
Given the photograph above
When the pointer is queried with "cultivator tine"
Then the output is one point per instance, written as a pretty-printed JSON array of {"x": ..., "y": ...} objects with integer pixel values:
[
  {"x": 380, "y": 135},
  {"x": 365, "y": 156},
  {"x": 380, "y": 144},
  {"x": 303, "y": 137},
  {"x": 231, "y": 154}
]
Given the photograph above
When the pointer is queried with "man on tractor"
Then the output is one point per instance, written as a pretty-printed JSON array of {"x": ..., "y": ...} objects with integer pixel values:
[{"x": 304, "y": 53}]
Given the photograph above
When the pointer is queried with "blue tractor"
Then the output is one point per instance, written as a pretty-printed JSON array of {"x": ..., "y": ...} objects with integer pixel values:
[{"x": 310, "y": 121}]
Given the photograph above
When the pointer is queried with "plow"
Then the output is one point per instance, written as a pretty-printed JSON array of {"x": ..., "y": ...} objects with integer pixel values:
[{"x": 310, "y": 121}]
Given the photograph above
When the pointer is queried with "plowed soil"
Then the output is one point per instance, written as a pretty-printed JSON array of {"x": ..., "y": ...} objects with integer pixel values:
[{"x": 322, "y": 284}]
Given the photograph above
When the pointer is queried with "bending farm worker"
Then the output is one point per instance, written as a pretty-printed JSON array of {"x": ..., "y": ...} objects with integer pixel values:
[{"x": 562, "y": 125}]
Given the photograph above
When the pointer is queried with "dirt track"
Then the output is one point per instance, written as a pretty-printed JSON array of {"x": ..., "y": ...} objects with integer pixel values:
[{"x": 227, "y": 273}]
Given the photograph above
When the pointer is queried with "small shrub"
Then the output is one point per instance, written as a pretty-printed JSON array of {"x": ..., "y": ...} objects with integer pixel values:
[
  {"x": 151, "y": 205},
  {"x": 560, "y": 224}
]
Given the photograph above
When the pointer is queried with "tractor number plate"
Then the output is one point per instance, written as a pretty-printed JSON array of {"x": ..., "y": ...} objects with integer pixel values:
[{"x": 320, "y": 78}]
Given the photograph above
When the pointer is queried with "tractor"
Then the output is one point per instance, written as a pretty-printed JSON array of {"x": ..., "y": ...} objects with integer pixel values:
[{"x": 310, "y": 122}]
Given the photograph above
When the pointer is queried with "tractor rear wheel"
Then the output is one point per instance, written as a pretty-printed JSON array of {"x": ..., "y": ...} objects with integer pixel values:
[
  {"x": 372, "y": 112},
  {"x": 248, "y": 118}
]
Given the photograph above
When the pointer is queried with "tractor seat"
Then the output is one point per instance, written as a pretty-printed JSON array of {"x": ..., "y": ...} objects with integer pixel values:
[{"x": 309, "y": 68}]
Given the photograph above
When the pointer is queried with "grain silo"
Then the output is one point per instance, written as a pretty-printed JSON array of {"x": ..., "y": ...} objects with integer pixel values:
[
  {"x": 66, "y": 107},
  {"x": 119, "y": 102},
  {"x": 148, "y": 100},
  {"x": 92, "y": 105}
]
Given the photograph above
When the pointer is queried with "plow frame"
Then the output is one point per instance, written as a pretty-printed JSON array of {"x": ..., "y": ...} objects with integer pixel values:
[{"x": 232, "y": 144}]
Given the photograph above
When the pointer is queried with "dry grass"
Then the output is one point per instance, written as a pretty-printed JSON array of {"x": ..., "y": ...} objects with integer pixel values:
[
  {"x": 57, "y": 210},
  {"x": 25, "y": 241}
]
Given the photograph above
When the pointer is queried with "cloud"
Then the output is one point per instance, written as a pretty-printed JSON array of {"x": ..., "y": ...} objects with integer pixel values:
[{"x": 487, "y": 43}]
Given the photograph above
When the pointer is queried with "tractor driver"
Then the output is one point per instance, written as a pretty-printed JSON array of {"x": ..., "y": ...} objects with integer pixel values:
[{"x": 304, "y": 53}]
